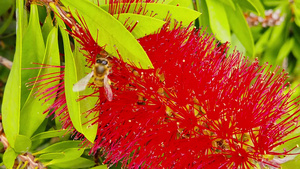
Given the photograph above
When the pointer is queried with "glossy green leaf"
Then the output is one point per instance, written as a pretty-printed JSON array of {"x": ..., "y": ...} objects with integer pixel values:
[
  {"x": 145, "y": 26},
  {"x": 277, "y": 39},
  {"x": 47, "y": 27},
  {"x": 12, "y": 93},
  {"x": 296, "y": 50},
  {"x": 183, "y": 3},
  {"x": 51, "y": 156},
  {"x": 110, "y": 32},
  {"x": 33, "y": 48},
  {"x": 180, "y": 14},
  {"x": 69, "y": 155},
  {"x": 273, "y": 3},
  {"x": 204, "y": 18},
  {"x": 291, "y": 164},
  {"x": 246, "y": 6},
  {"x": 49, "y": 134},
  {"x": 59, "y": 147},
  {"x": 88, "y": 130},
  {"x": 9, "y": 157},
  {"x": 74, "y": 71},
  {"x": 22, "y": 144},
  {"x": 262, "y": 42},
  {"x": 285, "y": 51},
  {"x": 258, "y": 6},
  {"x": 297, "y": 15},
  {"x": 229, "y": 3},
  {"x": 288, "y": 146},
  {"x": 100, "y": 167},
  {"x": 33, "y": 110},
  {"x": 236, "y": 45},
  {"x": 76, "y": 163},
  {"x": 218, "y": 20},
  {"x": 242, "y": 31},
  {"x": 5, "y": 5},
  {"x": 8, "y": 20}
]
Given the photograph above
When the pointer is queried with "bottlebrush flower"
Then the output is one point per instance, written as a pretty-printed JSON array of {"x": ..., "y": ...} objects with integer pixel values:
[{"x": 196, "y": 109}]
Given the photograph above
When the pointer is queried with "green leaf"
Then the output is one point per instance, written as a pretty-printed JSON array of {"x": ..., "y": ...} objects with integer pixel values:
[
  {"x": 69, "y": 155},
  {"x": 110, "y": 32},
  {"x": 277, "y": 39},
  {"x": 262, "y": 42},
  {"x": 5, "y": 5},
  {"x": 236, "y": 45},
  {"x": 85, "y": 121},
  {"x": 8, "y": 20},
  {"x": 33, "y": 110},
  {"x": 12, "y": 93},
  {"x": 9, "y": 157},
  {"x": 33, "y": 48},
  {"x": 100, "y": 167},
  {"x": 285, "y": 51},
  {"x": 296, "y": 50},
  {"x": 47, "y": 27},
  {"x": 258, "y": 7},
  {"x": 242, "y": 31},
  {"x": 291, "y": 164},
  {"x": 246, "y": 6},
  {"x": 76, "y": 163},
  {"x": 22, "y": 144},
  {"x": 49, "y": 134},
  {"x": 59, "y": 147},
  {"x": 183, "y": 3},
  {"x": 161, "y": 11},
  {"x": 204, "y": 18},
  {"x": 218, "y": 20},
  {"x": 50, "y": 156},
  {"x": 230, "y": 3},
  {"x": 74, "y": 71},
  {"x": 146, "y": 25}
]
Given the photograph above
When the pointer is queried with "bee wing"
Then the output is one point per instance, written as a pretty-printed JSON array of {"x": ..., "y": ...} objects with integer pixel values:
[
  {"x": 82, "y": 83},
  {"x": 108, "y": 92}
]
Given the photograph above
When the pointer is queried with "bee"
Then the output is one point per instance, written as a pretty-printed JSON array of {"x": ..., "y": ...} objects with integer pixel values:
[{"x": 100, "y": 73}]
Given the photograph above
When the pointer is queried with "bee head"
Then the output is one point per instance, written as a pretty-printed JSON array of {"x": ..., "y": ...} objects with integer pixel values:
[{"x": 102, "y": 61}]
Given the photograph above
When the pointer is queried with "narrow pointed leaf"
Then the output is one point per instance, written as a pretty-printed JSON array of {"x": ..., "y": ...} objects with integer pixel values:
[
  {"x": 34, "y": 108},
  {"x": 74, "y": 71},
  {"x": 9, "y": 157},
  {"x": 145, "y": 26},
  {"x": 8, "y": 20},
  {"x": 285, "y": 51},
  {"x": 258, "y": 6},
  {"x": 12, "y": 93},
  {"x": 69, "y": 154},
  {"x": 5, "y": 5},
  {"x": 33, "y": 51},
  {"x": 110, "y": 32},
  {"x": 51, "y": 156},
  {"x": 218, "y": 20},
  {"x": 48, "y": 134},
  {"x": 161, "y": 11},
  {"x": 76, "y": 163},
  {"x": 59, "y": 147},
  {"x": 242, "y": 31},
  {"x": 88, "y": 130}
]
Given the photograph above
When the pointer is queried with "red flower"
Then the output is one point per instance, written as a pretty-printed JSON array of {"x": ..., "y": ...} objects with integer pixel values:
[{"x": 196, "y": 109}]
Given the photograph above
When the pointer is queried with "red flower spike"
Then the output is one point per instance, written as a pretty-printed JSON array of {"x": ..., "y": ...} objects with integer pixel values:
[{"x": 195, "y": 96}]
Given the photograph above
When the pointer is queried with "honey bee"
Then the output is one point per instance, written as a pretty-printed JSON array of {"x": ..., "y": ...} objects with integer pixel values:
[{"x": 100, "y": 73}]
